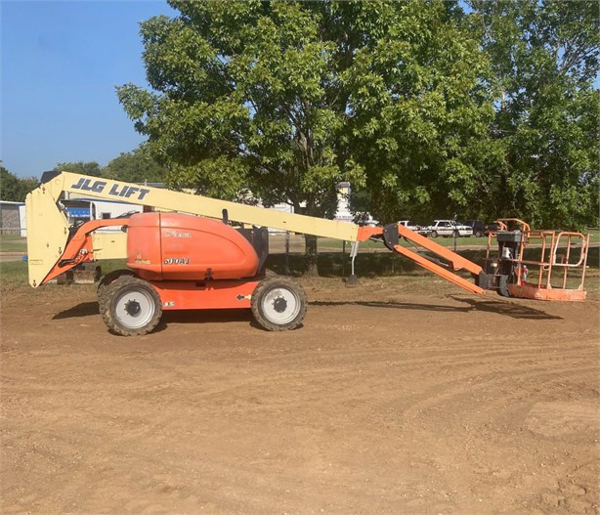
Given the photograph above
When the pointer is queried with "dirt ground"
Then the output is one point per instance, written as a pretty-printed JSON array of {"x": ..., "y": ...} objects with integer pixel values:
[{"x": 403, "y": 395}]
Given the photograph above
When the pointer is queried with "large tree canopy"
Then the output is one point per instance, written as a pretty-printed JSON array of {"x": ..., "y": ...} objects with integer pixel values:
[
  {"x": 430, "y": 110},
  {"x": 135, "y": 166},
  {"x": 289, "y": 98},
  {"x": 91, "y": 168},
  {"x": 545, "y": 58}
]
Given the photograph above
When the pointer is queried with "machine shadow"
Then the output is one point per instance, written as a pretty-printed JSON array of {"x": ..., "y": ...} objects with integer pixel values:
[
  {"x": 208, "y": 316},
  {"x": 498, "y": 307},
  {"x": 507, "y": 308},
  {"x": 502, "y": 308},
  {"x": 84, "y": 309}
]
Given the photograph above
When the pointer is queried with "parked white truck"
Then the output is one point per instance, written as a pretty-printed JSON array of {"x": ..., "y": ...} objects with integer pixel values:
[
  {"x": 449, "y": 228},
  {"x": 414, "y": 227}
]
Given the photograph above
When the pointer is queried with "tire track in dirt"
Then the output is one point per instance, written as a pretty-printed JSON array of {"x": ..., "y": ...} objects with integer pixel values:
[{"x": 417, "y": 414}]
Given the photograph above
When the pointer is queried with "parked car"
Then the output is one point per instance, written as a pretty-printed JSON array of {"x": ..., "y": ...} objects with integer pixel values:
[
  {"x": 448, "y": 228},
  {"x": 478, "y": 227},
  {"x": 414, "y": 227}
]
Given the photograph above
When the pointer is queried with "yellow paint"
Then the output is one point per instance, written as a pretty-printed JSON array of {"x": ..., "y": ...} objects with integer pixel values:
[
  {"x": 205, "y": 206},
  {"x": 110, "y": 245},
  {"x": 47, "y": 230}
]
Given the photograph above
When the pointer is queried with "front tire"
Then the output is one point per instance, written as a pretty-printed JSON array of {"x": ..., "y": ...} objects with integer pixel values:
[
  {"x": 105, "y": 282},
  {"x": 434, "y": 234},
  {"x": 131, "y": 306},
  {"x": 279, "y": 304},
  {"x": 456, "y": 234}
]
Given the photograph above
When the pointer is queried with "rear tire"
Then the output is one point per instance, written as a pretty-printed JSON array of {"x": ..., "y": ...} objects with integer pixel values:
[
  {"x": 279, "y": 304},
  {"x": 456, "y": 234},
  {"x": 478, "y": 234},
  {"x": 131, "y": 306}
]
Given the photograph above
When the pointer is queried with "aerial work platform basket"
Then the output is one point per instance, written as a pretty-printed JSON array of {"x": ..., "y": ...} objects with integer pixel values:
[{"x": 541, "y": 264}]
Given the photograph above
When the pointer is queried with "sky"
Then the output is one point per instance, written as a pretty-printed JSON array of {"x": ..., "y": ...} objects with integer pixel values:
[{"x": 59, "y": 65}]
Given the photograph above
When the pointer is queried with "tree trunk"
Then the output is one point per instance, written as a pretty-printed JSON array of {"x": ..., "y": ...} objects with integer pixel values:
[{"x": 310, "y": 255}]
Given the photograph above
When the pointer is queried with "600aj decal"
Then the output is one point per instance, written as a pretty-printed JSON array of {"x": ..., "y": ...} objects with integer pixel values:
[
  {"x": 177, "y": 261},
  {"x": 98, "y": 187}
]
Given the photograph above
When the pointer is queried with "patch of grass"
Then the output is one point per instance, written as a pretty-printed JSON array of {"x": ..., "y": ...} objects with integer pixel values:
[
  {"x": 375, "y": 264},
  {"x": 12, "y": 243},
  {"x": 109, "y": 265},
  {"x": 13, "y": 273},
  {"x": 328, "y": 244},
  {"x": 325, "y": 244}
]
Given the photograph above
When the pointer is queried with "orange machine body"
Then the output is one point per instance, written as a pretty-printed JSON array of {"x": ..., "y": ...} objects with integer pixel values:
[
  {"x": 179, "y": 247},
  {"x": 223, "y": 294}
]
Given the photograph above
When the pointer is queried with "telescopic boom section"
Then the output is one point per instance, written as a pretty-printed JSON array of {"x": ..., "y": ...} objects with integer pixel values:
[
  {"x": 52, "y": 249},
  {"x": 456, "y": 261},
  {"x": 391, "y": 236}
]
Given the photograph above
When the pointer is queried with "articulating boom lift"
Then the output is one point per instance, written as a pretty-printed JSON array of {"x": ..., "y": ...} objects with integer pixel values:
[{"x": 185, "y": 254}]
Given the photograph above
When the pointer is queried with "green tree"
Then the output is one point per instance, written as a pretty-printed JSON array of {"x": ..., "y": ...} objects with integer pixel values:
[
  {"x": 14, "y": 189},
  {"x": 135, "y": 166},
  {"x": 81, "y": 167},
  {"x": 544, "y": 57},
  {"x": 420, "y": 114},
  {"x": 26, "y": 185},
  {"x": 9, "y": 186},
  {"x": 289, "y": 98}
]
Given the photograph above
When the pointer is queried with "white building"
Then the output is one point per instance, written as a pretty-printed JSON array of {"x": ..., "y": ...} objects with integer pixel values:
[
  {"x": 84, "y": 209},
  {"x": 12, "y": 218}
]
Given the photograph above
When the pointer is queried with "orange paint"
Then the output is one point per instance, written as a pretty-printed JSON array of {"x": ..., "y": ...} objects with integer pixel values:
[
  {"x": 458, "y": 262},
  {"x": 531, "y": 291},
  {"x": 80, "y": 247},
  {"x": 174, "y": 246},
  {"x": 221, "y": 294},
  {"x": 439, "y": 270}
]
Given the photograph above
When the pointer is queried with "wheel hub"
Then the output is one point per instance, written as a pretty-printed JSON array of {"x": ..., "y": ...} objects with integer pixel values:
[
  {"x": 280, "y": 304},
  {"x": 133, "y": 307}
]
